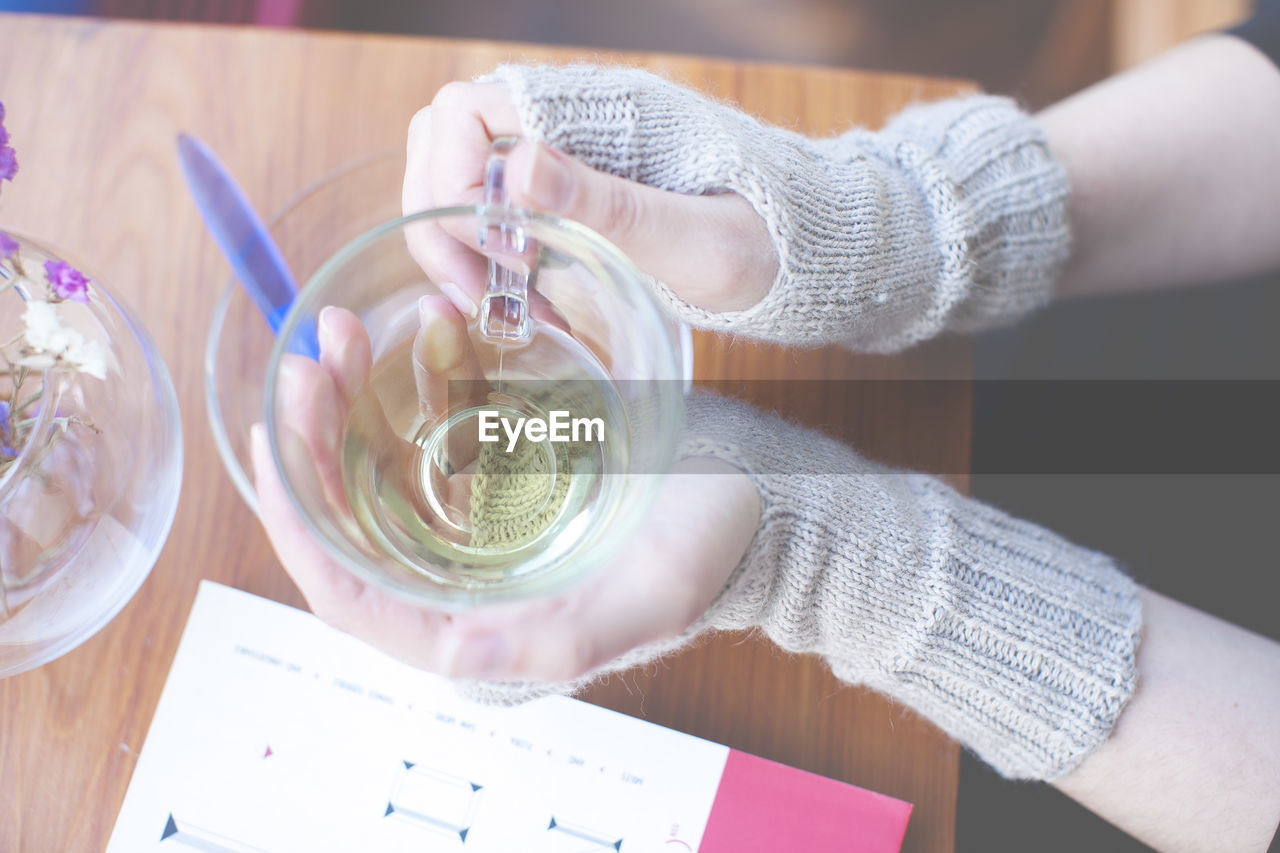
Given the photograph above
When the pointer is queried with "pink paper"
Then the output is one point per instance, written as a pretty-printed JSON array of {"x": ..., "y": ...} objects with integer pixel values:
[{"x": 768, "y": 807}]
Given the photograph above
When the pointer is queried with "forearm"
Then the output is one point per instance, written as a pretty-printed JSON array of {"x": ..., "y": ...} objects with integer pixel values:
[
  {"x": 1194, "y": 761},
  {"x": 1174, "y": 169}
]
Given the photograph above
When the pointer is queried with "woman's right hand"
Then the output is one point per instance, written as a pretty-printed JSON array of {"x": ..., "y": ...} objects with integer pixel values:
[
  {"x": 953, "y": 217},
  {"x": 713, "y": 251}
]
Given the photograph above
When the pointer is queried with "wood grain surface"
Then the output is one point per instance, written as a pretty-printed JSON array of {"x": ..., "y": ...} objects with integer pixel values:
[{"x": 94, "y": 108}]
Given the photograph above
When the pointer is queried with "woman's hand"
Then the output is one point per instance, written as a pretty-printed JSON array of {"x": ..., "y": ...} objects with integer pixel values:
[
  {"x": 713, "y": 251},
  {"x": 950, "y": 218},
  {"x": 694, "y": 537}
]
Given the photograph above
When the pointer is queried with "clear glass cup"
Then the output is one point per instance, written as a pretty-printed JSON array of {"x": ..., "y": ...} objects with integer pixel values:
[
  {"x": 88, "y": 501},
  {"x": 339, "y": 208},
  {"x": 427, "y": 510}
]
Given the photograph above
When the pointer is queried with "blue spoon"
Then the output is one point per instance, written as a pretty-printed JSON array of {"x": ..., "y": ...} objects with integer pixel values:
[{"x": 244, "y": 240}]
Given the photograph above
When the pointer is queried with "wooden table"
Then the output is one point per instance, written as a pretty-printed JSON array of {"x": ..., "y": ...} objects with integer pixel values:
[{"x": 94, "y": 108}]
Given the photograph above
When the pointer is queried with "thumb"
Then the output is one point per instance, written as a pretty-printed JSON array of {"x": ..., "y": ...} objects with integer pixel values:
[{"x": 713, "y": 251}]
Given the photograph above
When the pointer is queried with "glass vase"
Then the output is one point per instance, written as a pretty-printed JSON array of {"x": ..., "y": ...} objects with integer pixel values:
[{"x": 92, "y": 467}]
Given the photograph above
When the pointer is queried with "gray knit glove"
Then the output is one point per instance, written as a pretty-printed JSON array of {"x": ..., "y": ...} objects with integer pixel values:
[
  {"x": 1015, "y": 642},
  {"x": 953, "y": 217}
]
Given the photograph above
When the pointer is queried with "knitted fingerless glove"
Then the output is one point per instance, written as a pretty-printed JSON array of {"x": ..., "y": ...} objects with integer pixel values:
[
  {"x": 953, "y": 217},
  {"x": 1017, "y": 643}
]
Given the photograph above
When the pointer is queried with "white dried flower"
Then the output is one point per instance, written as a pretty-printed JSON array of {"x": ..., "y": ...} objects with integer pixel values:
[{"x": 50, "y": 343}]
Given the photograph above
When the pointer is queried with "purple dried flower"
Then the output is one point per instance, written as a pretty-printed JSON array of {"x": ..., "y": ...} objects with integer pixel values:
[
  {"x": 8, "y": 163},
  {"x": 66, "y": 281},
  {"x": 5, "y": 438},
  {"x": 8, "y": 246},
  {"x": 1, "y": 111}
]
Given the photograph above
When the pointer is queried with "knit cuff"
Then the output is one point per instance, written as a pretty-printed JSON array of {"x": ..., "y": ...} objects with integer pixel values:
[
  {"x": 1026, "y": 649},
  {"x": 1015, "y": 234}
]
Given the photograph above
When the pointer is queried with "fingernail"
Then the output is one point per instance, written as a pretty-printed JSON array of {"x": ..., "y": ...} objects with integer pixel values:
[
  {"x": 325, "y": 322},
  {"x": 465, "y": 304},
  {"x": 548, "y": 180},
  {"x": 440, "y": 348},
  {"x": 483, "y": 656}
]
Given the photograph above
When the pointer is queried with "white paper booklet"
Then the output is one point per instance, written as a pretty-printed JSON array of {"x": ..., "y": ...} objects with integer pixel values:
[{"x": 276, "y": 733}]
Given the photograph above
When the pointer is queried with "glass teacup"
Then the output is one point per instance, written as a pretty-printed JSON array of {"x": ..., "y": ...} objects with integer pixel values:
[{"x": 532, "y": 472}]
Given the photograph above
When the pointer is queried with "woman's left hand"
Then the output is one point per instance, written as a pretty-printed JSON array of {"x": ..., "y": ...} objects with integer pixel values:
[{"x": 693, "y": 538}]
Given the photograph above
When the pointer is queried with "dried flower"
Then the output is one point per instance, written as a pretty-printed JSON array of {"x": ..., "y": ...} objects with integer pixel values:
[
  {"x": 46, "y": 343},
  {"x": 50, "y": 343},
  {"x": 8, "y": 163},
  {"x": 66, "y": 282}
]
